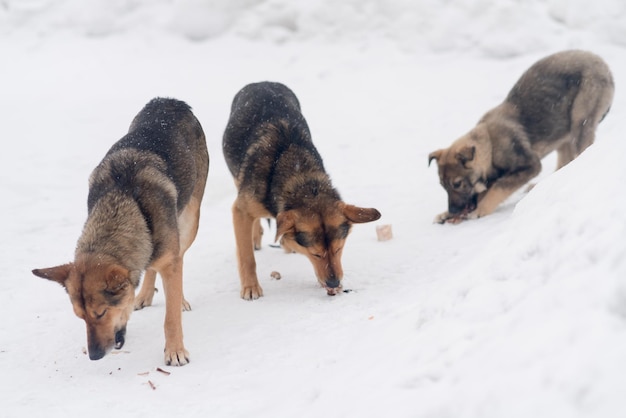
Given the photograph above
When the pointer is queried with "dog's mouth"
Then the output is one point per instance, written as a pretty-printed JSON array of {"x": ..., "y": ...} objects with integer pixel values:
[
  {"x": 332, "y": 291},
  {"x": 471, "y": 205},
  {"x": 461, "y": 210},
  {"x": 120, "y": 338},
  {"x": 333, "y": 287}
]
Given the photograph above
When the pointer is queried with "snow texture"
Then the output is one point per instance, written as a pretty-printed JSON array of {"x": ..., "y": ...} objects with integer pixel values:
[{"x": 518, "y": 314}]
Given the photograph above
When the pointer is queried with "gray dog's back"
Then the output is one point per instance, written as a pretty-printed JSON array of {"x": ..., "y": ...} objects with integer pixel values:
[{"x": 561, "y": 92}]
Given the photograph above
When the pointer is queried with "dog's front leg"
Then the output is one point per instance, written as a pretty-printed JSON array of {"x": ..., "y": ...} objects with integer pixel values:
[
  {"x": 243, "y": 224},
  {"x": 172, "y": 274},
  {"x": 502, "y": 189},
  {"x": 488, "y": 204}
]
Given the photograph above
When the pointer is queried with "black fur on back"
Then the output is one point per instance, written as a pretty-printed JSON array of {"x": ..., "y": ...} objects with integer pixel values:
[
  {"x": 163, "y": 135},
  {"x": 268, "y": 148}
]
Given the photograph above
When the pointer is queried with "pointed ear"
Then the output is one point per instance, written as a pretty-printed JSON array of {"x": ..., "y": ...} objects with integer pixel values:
[
  {"x": 117, "y": 279},
  {"x": 57, "y": 274},
  {"x": 359, "y": 215},
  {"x": 466, "y": 154},
  {"x": 435, "y": 155},
  {"x": 285, "y": 222}
]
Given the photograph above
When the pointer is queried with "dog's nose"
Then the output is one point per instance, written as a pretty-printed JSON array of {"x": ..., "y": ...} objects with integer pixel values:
[
  {"x": 96, "y": 352},
  {"x": 332, "y": 283}
]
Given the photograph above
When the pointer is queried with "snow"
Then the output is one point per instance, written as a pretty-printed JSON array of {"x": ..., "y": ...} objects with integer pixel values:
[{"x": 522, "y": 313}]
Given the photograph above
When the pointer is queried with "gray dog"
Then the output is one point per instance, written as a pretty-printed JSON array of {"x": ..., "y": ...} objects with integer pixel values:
[{"x": 557, "y": 104}]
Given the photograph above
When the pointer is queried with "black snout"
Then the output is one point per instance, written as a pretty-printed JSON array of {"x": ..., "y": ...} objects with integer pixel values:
[
  {"x": 96, "y": 352},
  {"x": 332, "y": 283},
  {"x": 461, "y": 205}
]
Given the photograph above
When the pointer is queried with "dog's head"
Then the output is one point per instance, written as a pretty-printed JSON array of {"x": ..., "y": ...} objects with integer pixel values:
[
  {"x": 461, "y": 173},
  {"x": 321, "y": 235},
  {"x": 102, "y": 295}
]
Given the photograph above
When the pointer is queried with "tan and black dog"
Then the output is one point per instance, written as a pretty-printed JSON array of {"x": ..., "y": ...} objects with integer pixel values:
[
  {"x": 279, "y": 173},
  {"x": 556, "y": 105},
  {"x": 143, "y": 212}
]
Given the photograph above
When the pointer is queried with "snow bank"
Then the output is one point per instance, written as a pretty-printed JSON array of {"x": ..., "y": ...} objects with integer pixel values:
[
  {"x": 493, "y": 27},
  {"x": 556, "y": 273}
]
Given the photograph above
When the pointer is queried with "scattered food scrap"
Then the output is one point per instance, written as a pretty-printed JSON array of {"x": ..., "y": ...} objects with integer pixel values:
[
  {"x": 383, "y": 232},
  {"x": 165, "y": 372}
]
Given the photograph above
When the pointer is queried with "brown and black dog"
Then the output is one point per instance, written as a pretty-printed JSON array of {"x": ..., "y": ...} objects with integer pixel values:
[
  {"x": 143, "y": 212},
  {"x": 279, "y": 173},
  {"x": 557, "y": 104}
]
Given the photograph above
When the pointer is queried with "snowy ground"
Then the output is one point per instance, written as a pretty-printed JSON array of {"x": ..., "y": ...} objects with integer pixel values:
[{"x": 519, "y": 314}]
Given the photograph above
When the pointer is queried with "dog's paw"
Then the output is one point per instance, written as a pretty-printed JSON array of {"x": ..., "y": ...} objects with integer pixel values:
[
  {"x": 178, "y": 357},
  {"x": 251, "y": 292},
  {"x": 455, "y": 220},
  {"x": 529, "y": 187},
  {"x": 144, "y": 299},
  {"x": 186, "y": 305},
  {"x": 142, "y": 303},
  {"x": 442, "y": 218}
]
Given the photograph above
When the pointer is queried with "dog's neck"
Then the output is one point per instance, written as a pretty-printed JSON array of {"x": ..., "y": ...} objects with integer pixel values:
[
  {"x": 306, "y": 191},
  {"x": 126, "y": 240}
]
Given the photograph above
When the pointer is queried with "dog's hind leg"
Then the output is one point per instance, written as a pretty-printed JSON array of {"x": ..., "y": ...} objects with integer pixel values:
[
  {"x": 583, "y": 132},
  {"x": 146, "y": 294},
  {"x": 188, "y": 222},
  {"x": 257, "y": 234},
  {"x": 589, "y": 108},
  {"x": 565, "y": 154}
]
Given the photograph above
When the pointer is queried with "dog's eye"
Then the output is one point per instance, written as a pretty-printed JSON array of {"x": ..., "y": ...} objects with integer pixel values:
[
  {"x": 316, "y": 255},
  {"x": 457, "y": 184},
  {"x": 100, "y": 315}
]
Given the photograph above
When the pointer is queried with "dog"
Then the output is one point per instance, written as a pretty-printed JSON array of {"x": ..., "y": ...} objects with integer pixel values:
[
  {"x": 279, "y": 174},
  {"x": 143, "y": 213},
  {"x": 557, "y": 104}
]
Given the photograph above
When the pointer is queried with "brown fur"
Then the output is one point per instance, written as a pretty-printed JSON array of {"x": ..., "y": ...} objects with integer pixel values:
[
  {"x": 144, "y": 207},
  {"x": 555, "y": 106},
  {"x": 279, "y": 174}
]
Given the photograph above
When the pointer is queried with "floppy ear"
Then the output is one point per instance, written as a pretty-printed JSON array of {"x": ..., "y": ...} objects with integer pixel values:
[
  {"x": 117, "y": 279},
  {"x": 285, "y": 222},
  {"x": 466, "y": 154},
  {"x": 435, "y": 155},
  {"x": 359, "y": 215},
  {"x": 57, "y": 274}
]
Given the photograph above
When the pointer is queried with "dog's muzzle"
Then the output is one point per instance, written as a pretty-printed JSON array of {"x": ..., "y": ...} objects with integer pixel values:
[
  {"x": 97, "y": 351},
  {"x": 468, "y": 206},
  {"x": 333, "y": 286}
]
